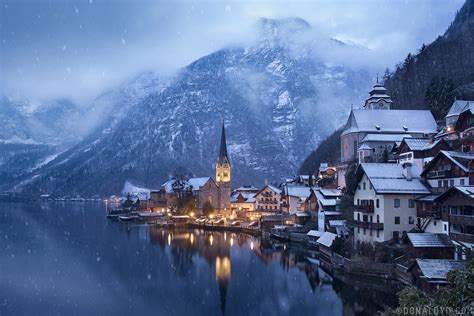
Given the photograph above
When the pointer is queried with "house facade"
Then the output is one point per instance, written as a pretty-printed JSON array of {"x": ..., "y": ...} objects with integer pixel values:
[
  {"x": 384, "y": 201},
  {"x": 268, "y": 199}
]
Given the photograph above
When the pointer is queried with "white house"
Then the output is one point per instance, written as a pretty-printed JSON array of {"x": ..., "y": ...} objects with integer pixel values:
[{"x": 384, "y": 201}]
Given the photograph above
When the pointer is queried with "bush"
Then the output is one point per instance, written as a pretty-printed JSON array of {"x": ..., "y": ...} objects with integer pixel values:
[{"x": 207, "y": 208}]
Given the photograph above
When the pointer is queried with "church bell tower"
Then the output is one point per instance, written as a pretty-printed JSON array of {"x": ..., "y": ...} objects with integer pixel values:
[{"x": 223, "y": 176}]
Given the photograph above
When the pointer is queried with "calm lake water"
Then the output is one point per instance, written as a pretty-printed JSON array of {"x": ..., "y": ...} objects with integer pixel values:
[{"x": 69, "y": 259}]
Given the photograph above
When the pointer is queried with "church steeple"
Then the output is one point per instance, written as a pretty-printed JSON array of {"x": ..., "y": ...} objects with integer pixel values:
[
  {"x": 223, "y": 175},
  {"x": 223, "y": 157}
]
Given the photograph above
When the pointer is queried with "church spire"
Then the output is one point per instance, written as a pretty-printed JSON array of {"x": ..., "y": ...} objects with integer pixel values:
[{"x": 223, "y": 157}]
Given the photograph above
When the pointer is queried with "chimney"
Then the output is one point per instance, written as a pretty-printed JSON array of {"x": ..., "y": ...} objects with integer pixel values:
[{"x": 407, "y": 171}]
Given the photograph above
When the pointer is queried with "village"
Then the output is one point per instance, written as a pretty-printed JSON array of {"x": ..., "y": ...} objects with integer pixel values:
[{"x": 399, "y": 205}]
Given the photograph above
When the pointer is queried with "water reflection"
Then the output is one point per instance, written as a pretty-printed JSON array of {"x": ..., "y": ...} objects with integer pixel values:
[{"x": 68, "y": 259}]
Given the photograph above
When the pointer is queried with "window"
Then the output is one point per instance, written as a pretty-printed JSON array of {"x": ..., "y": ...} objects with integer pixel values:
[
  {"x": 411, "y": 203},
  {"x": 364, "y": 231},
  {"x": 378, "y": 218},
  {"x": 396, "y": 203},
  {"x": 461, "y": 182},
  {"x": 445, "y": 183},
  {"x": 411, "y": 220},
  {"x": 358, "y": 201},
  {"x": 364, "y": 185},
  {"x": 397, "y": 220},
  {"x": 439, "y": 183},
  {"x": 451, "y": 183},
  {"x": 434, "y": 223},
  {"x": 445, "y": 227},
  {"x": 358, "y": 217},
  {"x": 378, "y": 233},
  {"x": 371, "y": 219},
  {"x": 370, "y": 232},
  {"x": 377, "y": 203},
  {"x": 395, "y": 235},
  {"x": 358, "y": 230},
  {"x": 365, "y": 218},
  {"x": 370, "y": 185}
]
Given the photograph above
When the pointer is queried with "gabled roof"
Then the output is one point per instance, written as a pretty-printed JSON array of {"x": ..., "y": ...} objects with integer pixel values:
[
  {"x": 331, "y": 192},
  {"x": 467, "y": 190},
  {"x": 384, "y": 137},
  {"x": 438, "y": 268},
  {"x": 429, "y": 240},
  {"x": 327, "y": 239},
  {"x": 459, "y": 106},
  {"x": 302, "y": 192},
  {"x": 314, "y": 233},
  {"x": 415, "y": 144},
  {"x": 459, "y": 158},
  {"x": 246, "y": 197},
  {"x": 389, "y": 178},
  {"x": 197, "y": 183},
  {"x": 271, "y": 187},
  {"x": 390, "y": 121}
]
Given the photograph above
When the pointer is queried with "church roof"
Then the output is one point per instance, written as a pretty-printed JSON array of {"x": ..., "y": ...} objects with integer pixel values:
[
  {"x": 223, "y": 156},
  {"x": 390, "y": 121}
]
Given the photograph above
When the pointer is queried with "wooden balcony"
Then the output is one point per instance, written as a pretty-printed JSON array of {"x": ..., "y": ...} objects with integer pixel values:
[
  {"x": 468, "y": 238},
  {"x": 364, "y": 208},
  {"x": 366, "y": 225},
  {"x": 428, "y": 214},
  {"x": 467, "y": 220},
  {"x": 440, "y": 174}
]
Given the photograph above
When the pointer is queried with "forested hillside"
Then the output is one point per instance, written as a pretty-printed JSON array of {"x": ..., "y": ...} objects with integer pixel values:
[{"x": 440, "y": 71}]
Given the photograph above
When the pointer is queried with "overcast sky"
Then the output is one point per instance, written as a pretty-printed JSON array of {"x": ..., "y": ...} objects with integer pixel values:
[{"x": 76, "y": 49}]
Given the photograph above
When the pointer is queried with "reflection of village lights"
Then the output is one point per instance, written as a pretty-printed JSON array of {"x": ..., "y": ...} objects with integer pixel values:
[
  {"x": 169, "y": 239},
  {"x": 251, "y": 245},
  {"x": 225, "y": 236},
  {"x": 211, "y": 239},
  {"x": 192, "y": 239},
  {"x": 231, "y": 241},
  {"x": 284, "y": 246},
  {"x": 222, "y": 269}
]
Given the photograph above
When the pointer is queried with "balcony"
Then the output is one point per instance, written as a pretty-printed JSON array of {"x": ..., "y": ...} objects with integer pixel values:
[
  {"x": 440, "y": 174},
  {"x": 364, "y": 208},
  {"x": 467, "y": 220},
  {"x": 468, "y": 238},
  {"x": 366, "y": 225},
  {"x": 428, "y": 214},
  {"x": 467, "y": 137}
]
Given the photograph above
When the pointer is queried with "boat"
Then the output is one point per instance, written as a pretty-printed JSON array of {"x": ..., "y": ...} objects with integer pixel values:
[
  {"x": 129, "y": 217},
  {"x": 151, "y": 215}
]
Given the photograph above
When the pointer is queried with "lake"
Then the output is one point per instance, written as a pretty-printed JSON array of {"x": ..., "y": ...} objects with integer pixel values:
[{"x": 67, "y": 258}]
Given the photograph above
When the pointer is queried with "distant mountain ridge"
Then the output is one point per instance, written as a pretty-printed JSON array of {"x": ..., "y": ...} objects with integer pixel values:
[{"x": 278, "y": 102}]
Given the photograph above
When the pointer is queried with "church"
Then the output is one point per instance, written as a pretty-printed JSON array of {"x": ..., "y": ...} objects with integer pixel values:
[{"x": 223, "y": 177}]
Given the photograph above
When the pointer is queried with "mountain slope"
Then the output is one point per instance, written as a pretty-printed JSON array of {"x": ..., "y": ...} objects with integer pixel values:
[
  {"x": 449, "y": 59},
  {"x": 277, "y": 102}
]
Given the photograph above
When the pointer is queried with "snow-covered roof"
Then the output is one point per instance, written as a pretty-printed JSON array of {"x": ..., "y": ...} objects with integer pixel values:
[
  {"x": 457, "y": 157},
  {"x": 298, "y": 191},
  {"x": 302, "y": 214},
  {"x": 459, "y": 106},
  {"x": 390, "y": 121},
  {"x": 384, "y": 138},
  {"x": 427, "y": 198},
  {"x": 314, "y": 233},
  {"x": 331, "y": 192},
  {"x": 197, "y": 183},
  {"x": 337, "y": 222},
  {"x": 248, "y": 197},
  {"x": 467, "y": 190},
  {"x": 247, "y": 189},
  {"x": 327, "y": 239},
  {"x": 168, "y": 186},
  {"x": 438, "y": 268},
  {"x": 429, "y": 240},
  {"x": 364, "y": 146},
  {"x": 389, "y": 178},
  {"x": 420, "y": 143},
  {"x": 274, "y": 188},
  {"x": 323, "y": 200}
]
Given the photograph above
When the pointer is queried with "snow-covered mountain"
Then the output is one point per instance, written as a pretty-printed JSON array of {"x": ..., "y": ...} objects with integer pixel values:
[{"x": 279, "y": 96}]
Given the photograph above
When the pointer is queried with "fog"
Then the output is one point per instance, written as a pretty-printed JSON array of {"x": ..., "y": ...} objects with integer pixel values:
[{"x": 78, "y": 49}]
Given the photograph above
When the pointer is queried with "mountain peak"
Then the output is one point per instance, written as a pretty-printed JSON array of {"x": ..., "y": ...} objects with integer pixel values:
[{"x": 282, "y": 28}]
